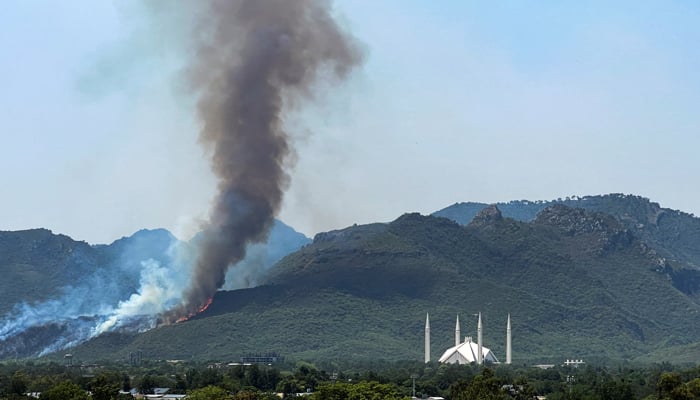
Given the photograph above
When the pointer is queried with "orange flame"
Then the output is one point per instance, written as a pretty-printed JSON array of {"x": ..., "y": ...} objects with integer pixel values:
[
  {"x": 199, "y": 310},
  {"x": 206, "y": 305}
]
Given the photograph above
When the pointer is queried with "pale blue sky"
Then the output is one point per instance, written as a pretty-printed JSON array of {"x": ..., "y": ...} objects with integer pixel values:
[{"x": 457, "y": 101}]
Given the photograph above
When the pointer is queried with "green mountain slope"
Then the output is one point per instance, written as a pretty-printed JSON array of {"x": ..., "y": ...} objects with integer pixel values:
[
  {"x": 577, "y": 284},
  {"x": 36, "y": 264},
  {"x": 54, "y": 290},
  {"x": 672, "y": 234}
]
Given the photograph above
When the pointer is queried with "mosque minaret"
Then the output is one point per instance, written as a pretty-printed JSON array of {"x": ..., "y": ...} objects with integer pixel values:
[
  {"x": 458, "y": 335},
  {"x": 427, "y": 338},
  {"x": 480, "y": 354},
  {"x": 508, "y": 344}
]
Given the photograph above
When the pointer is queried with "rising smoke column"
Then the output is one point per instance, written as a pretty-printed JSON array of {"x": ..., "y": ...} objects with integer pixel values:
[{"x": 253, "y": 60}]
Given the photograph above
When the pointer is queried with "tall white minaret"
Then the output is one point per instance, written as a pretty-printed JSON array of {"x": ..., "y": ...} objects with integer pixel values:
[
  {"x": 427, "y": 338},
  {"x": 508, "y": 348},
  {"x": 458, "y": 335},
  {"x": 480, "y": 353}
]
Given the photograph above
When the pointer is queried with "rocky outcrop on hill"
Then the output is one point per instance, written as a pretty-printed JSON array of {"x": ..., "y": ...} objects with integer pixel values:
[
  {"x": 609, "y": 232},
  {"x": 488, "y": 216},
  {"x": 575, "y": 221}
]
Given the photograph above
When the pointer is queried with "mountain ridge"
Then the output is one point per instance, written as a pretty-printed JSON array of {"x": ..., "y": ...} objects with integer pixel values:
[{"x": 577, "y": 283}]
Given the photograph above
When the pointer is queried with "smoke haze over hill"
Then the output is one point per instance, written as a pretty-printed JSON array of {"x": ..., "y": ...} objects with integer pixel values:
[{"x": 58, "y": 292}]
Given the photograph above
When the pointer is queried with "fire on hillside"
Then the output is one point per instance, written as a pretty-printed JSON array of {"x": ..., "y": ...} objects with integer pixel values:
[{"x": 199, "y": 310}]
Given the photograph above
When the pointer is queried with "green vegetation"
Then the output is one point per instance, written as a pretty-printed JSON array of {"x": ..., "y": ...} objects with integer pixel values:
[
  {"x": 35, "y": 264},
  {"x": 673, "y": 234},
  {"x": 388, "y": 381},
  {"x": 65, "y": 391}
]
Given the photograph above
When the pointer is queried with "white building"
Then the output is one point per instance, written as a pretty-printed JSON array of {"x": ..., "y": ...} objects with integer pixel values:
[{"x": 467, "y": 352}]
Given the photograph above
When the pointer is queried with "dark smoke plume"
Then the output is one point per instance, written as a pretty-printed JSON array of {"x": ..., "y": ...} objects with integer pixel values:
[{"x": 253, "y": 60}]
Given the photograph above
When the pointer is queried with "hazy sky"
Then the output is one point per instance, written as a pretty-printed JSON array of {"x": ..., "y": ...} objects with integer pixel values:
[{"x": 457, "y": 101}]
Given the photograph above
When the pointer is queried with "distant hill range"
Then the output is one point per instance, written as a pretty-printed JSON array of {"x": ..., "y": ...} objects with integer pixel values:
[
  {"x": 597, "y": 277},
  {"x": 674, "y": 234}
]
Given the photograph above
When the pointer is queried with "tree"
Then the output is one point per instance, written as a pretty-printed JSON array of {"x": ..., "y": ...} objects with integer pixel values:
[
  {"x": 288, "y": 385},
  {"x": 147, "y": 384},
  {"x": 126, "y": 383},
  {"x": 209, "y": 377},
  {"x": 372, "y": 391},
  {"x": 254, "y": 377},
  {"x": 307, "y": 375},
  {"x": 523, "y": 390},
  {"x": 19, "y": 382},
  {"x": 336, "y": 391},
  {"x": 104, "y": 387},
  {"x": 247, "y": 395},
  {"x": 614, "y": 390},
  {"x": 180, "y": 385},
  {"x": 668, "y": 382},
  {"x": 192, "y": 378},
  {"x": 65, "y": 390},
  {"x": 458, "y": 388},
  {"x": 209, "y": 393},
  {"x": 484, "y": 386},
  {"x": 694, "y": 388},
  {"x": 357, "y": 391}
]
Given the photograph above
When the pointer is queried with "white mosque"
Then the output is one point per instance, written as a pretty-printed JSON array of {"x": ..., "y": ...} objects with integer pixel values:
[{"x": 467, "y": 352}]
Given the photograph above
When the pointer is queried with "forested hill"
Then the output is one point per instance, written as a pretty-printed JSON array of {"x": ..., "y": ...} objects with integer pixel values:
[
  {"x": 52, "y": 286},
  {"x": 673, "y": 233},
  {"x": 577, "y": 283}
]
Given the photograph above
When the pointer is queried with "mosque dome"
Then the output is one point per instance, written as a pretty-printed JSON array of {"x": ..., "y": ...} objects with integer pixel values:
[{"x": 467, "y": 353}]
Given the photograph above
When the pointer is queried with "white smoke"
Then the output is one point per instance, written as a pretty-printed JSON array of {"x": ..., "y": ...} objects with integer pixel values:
[
  {"x": 160, "y": 289},
  {"x": 143, "y": 277},
  {"x": 101, "y": 303}
]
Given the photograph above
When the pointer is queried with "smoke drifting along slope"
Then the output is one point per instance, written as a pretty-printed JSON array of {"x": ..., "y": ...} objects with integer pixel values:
[
  {"x": 253, "y": 60},
  {"x": 89, "y": 290}
]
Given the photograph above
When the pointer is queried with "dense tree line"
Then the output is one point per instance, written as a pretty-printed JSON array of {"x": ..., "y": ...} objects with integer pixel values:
[{"x": 377, "y": 381}]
